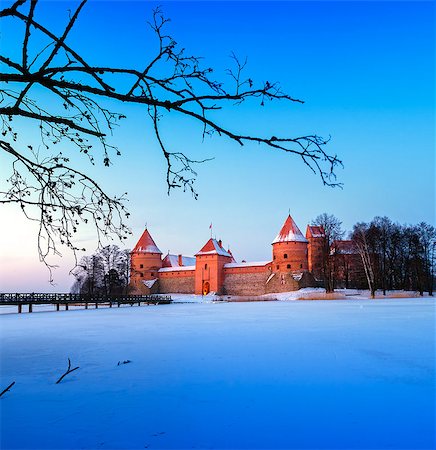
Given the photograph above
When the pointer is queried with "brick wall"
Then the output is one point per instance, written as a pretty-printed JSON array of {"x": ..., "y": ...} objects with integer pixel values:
[
  {"x": 180, "y": 285},
  {"x": 256, "y": 283},
  {"x": 282, "y": 282},
  {"x": 245, "y": 283}
]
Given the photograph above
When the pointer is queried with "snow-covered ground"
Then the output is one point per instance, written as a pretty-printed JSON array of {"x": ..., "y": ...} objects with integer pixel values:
[
  {"x": 302, "y": 294},
  {"x": 343, "y": 374}
]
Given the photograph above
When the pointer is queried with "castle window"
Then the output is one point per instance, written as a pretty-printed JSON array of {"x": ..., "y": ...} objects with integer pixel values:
[
  {"x": 152, "y": 274},
  {"x": 301, "y": 266},
  {"x": 141, "y": 274},
  {"x": 285, "y": 256},
  {"x": 274, "y": 257},
  {"x": 141, "y": 266},
  {"x": 288, "y": 266},
  {"x": 278, "y": 267},
  {"x": 205, "y": 266}
]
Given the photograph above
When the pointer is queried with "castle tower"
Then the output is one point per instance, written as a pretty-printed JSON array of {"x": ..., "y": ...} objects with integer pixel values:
[
  {"x": 145, "y": 261},
  {"x": 290, "y": 249},
  {"x": 209, "y": 267},
  {"x": 315, "y": 235}
]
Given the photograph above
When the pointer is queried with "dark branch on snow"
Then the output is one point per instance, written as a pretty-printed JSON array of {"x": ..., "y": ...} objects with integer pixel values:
[
  {"x": 69, "y": 370},
  {"x": 7, "y": 389}
]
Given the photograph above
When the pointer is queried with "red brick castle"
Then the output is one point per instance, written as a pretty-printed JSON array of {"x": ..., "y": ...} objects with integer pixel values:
[{"x": 296, "y": 262}]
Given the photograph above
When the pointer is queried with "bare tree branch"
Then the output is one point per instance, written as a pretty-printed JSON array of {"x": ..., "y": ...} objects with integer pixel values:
[
  {"x": 80, "y": 114},
  {"x": 68, "y": 371},
  {"x": 7, "y": 389}
]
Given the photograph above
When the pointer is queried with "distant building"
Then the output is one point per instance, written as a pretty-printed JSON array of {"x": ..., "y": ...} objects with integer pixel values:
[{"x": 296, "y": 262}]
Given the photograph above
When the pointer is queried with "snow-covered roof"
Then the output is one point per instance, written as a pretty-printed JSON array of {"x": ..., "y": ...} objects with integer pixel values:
[
  {"x": 290, "y": 232},
  {"x": 314, "y": 231},
  {"x": 344, "y": 247},
  {"x": 173, "y": 261},
  {"x": 231, "y": 254},
  {"x": 212, "y": 247},
  {"x": 176, "y": 269},
  {"x": 247, "y": 264},
  {"x": 146, "y": 244},
  {"x": 149, "y": 283}
]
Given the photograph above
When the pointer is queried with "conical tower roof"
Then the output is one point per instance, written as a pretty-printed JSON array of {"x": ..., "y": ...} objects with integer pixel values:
[
  {"x": 146, "y": 244},
  {"x": 290, "y": 232},
  {"x": 212, "y": 247}
]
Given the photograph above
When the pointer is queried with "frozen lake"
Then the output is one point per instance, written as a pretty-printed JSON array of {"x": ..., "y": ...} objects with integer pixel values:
[{"x": 353, "y": 374}]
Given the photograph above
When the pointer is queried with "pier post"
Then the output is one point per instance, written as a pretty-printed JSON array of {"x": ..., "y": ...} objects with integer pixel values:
[
  {"x": 20, "y": 308},
  {"x": 30, "y": 307}
]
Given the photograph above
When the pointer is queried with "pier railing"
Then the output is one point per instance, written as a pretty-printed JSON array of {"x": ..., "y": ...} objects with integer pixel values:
[{"x": 87, "y": 300}]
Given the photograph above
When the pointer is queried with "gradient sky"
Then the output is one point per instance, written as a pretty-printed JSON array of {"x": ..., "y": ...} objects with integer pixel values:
[{"x": 366, "y": 71}]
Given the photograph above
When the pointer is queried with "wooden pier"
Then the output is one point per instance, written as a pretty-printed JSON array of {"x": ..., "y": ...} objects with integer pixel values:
[{"x": 86, "y": 300}]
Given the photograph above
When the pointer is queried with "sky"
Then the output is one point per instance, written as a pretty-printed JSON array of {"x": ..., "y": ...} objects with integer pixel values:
[{"x": 365, "y": 70}]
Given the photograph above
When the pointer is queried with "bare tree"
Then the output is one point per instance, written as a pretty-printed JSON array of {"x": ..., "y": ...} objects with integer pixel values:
[
  {"x": 70, "y": 101},
  {"x": 105, "y": 272},
  {"x": 360, "y": 237},
  {"x": 332, "y": 232},
  {"x": 89, "y": 274}
]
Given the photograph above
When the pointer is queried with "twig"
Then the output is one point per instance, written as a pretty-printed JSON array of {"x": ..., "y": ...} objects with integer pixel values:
[
  {"x": 7, "y": 389},
  {"x": 127, "y": 361},
  {"x": 69, "y": 370}
]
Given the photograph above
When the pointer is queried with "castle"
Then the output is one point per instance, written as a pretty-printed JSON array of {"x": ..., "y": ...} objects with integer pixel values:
[{"x": 297, "y": 262}]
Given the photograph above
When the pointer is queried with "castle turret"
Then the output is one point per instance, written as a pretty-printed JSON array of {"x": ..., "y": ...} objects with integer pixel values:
[
  {"x": 145, "y": 261},
  {"x": 315, "y": 235},
  {"x": 209, "y": 267},
  {"x": 290, "y": 249}
]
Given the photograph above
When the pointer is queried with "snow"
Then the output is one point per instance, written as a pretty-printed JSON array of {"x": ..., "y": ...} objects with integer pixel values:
[
  {"x": 176, "y": 269},
  {"x": 174, "y": 260},
  {"x": 247, "y": 264},
  {"x": 289, "y": 237},
  {"x": 149, "y": 283},
  {"x": 147, "y": 249},
  {"x": 347, "y": 374},
  {"x": 315, "y": 231},
  {"x": 146, "y": 244},
  {"x": 215, "y": 249},
  {"x": 289, "y": 233}
]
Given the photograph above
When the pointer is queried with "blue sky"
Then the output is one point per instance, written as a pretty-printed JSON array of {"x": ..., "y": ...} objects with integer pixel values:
[{"x": 366, "y": 71}]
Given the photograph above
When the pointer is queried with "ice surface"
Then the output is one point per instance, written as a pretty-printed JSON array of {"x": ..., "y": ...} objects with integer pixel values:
[{"x": 303, "y": 374}]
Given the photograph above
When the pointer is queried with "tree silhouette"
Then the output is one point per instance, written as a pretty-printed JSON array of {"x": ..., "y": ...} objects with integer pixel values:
[{"x": 70, "y": 102}]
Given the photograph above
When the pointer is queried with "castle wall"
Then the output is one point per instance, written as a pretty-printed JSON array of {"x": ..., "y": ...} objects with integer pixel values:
[
  {"x": 247, "y": 280},
  {"x": 182, "y": 282},
  {"x": 261, "y": 280},
  {"x": 281, "y": 282}
]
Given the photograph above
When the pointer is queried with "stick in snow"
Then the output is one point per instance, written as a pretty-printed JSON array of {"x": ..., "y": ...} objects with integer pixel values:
[
  {"x": 69, "y": 370},
  {"x": 127, "y": 361},
  {"x": 7, "y": 389}
]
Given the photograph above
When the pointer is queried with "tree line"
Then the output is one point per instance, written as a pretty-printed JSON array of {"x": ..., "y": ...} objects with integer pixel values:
[
  {"x": 391, "y": 256},
  {"x": 106, "y": 272}
]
